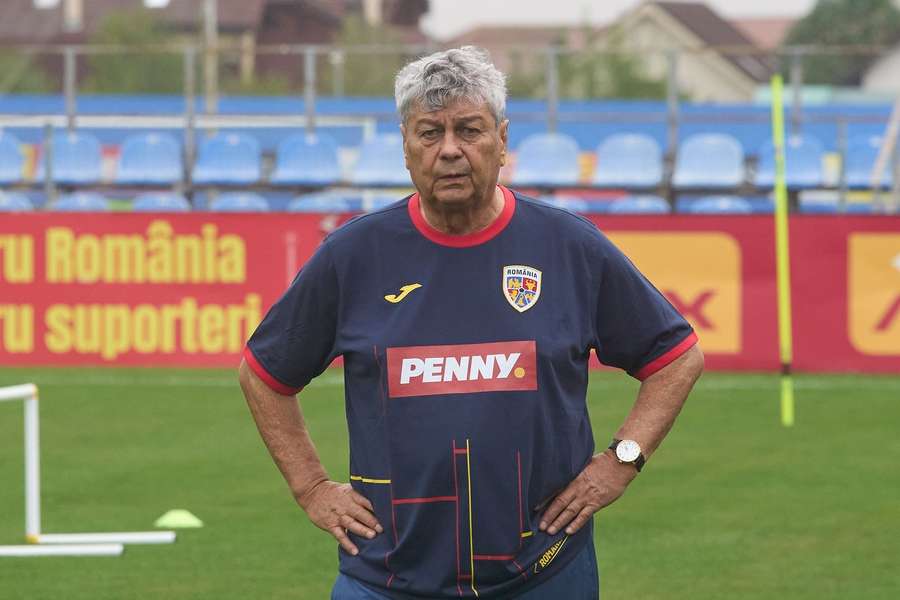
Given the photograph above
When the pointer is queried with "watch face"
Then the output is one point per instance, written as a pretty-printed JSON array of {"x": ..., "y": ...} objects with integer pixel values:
[{"x": 628, "y": 451}]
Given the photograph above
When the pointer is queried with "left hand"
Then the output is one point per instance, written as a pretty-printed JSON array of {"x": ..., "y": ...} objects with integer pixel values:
[{"x": 600, "y": 484}]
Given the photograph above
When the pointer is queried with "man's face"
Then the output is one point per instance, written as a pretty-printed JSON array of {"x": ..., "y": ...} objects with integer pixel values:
[{"x": 454, "y": 154}]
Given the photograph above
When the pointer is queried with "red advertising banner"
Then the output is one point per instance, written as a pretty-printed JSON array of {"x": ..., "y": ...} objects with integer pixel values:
[{"x": 187, "y": 290}]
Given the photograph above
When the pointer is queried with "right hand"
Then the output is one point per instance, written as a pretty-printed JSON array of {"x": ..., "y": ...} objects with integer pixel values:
[{"x": 337, "y": 508}]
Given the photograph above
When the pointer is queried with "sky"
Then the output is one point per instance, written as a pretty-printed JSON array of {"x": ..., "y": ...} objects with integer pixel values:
[{"x": 448, "y": 18}]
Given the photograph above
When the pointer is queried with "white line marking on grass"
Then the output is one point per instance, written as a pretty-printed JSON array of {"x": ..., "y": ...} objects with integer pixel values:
[{"x": 123, "y": 380}]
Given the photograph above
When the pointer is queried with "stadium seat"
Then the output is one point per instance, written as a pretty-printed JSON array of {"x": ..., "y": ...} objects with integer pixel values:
[
  {"x": 709, "y": 160},
  {"x": 325, "y": 202},
  {"x": 150, "y": 159},
  {"x": 639, "y": 205},
  {"x": 77, "y": 159},
  {"x": 228, "y": 159},
  {"x": 575, "y": 204},
  {"x": 15, "y": 202},
  {"x": 381, "y": 162},
  {"x": 239, "y": 202},
  {"x": 818, "y": 206},
  {"x": 81, "y": 202},
  {"x": 160, "y": 202},
  {"x": 859, "y": 162},
  {"x": 307, "y": 159},
  {"x": 372, "y": 202},
  {"x": 547, "y": 159},
  {"x": 803, "y": 163},
  {"x": 714, "y": 205},
  {"x": 11, "y": 159},
  {"x": 629, "y": 161}
]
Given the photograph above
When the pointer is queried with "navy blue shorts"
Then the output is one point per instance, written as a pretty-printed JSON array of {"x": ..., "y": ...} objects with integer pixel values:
[{"x": 579, "y": 580}]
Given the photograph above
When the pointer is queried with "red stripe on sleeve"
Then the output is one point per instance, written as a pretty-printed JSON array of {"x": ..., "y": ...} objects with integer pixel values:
[
  {"x": 267, "y": 378},
  {"x": 657, "y": 364}
]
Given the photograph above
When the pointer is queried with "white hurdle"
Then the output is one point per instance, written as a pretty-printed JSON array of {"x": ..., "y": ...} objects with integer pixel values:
[{"x": 60, "y": 544}]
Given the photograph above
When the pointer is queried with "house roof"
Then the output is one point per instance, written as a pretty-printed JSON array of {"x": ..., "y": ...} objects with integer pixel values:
[
  {"x": 715, "y": 31},
  {"x": 767, "y": 33}
]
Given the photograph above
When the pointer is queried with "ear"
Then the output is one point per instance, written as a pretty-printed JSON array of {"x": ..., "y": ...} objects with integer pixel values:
[{"x": 504, "y": 141}]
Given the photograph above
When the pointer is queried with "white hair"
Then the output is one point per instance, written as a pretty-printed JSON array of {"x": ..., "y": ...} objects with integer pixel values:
[{"x": 436, "y": 80}]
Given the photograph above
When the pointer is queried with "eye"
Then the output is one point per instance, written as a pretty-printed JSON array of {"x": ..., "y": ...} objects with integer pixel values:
[{"x": 429, "y": 134}]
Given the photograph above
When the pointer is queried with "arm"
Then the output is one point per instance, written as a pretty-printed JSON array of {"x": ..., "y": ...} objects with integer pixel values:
[
  {"x": 331, "y": 506},
  {"x": 658, "y": 403}
]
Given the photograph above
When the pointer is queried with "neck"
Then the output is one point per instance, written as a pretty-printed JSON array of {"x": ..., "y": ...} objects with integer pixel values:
[{"x": 463, "y": 220}]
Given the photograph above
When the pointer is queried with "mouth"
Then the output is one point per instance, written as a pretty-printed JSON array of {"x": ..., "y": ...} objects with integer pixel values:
[{"x": 453, "y": 176}]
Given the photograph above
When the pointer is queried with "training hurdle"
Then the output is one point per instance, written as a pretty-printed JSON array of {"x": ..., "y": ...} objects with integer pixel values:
[{"x": 59, "y": 544}]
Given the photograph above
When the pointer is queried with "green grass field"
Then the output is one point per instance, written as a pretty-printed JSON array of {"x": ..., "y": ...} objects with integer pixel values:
[{"x": 732, "y": 505}]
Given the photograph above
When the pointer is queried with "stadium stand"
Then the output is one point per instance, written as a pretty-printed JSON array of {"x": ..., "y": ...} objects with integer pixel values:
[
  {"x": 803, "y": 163},
  {"x": 228, "y": 159},
  {"x": 77, "y": 159},
  {"x": 381, "y": 163},
  {"x": 160, "y": 202},
  {"x": 575, "y": 204},
  {"x": 81, "y": 202},
  {"x": 150, "y": 159},
  {"x": 859, "y": 162},
  {"x": 636, "y": 205},
  {"x": 629, "y": 160},
  {"x": 239, "y": 202},
  {"x": 15, "y": 202},
  {"x": 12, "y": 161},
  {"x": 547, "y": 159},
  {"x": 326, "y": 202},
  {"x": 709, "y": 161},
  {"x": 307, "y": 159}
]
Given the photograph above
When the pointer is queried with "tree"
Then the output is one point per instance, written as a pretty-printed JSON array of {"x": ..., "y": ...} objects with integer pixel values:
[
  {"x": 23, "y": 74},
  {"x": 143, "y": 68},
  {"x": 844, "y": 23},
  {"x": 602, "y": 69},
  {"x": 366, "y": 73}
]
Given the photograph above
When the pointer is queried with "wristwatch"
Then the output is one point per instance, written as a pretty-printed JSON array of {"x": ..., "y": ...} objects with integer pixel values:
[{"x": 628, "y": 451}]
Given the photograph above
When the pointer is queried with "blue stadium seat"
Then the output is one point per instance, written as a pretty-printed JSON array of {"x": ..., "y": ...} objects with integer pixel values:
[
  {"x": 575, "y": 204},
  {"x": 639, "y": 205},
  {"x": 709, "y": 160},
  {"x": 81, "y": 202},
  {"x": 325, "y": 202},
  {"x": 859, "y": 162},
  {"x": 803, "y": 163},
  {"x": 629, "y": 161},
  {"x": 372, "y": 202},
  {"x": 714, "y": 205},
  {"x": 77, "y": 159},
  {"x": 307, "y": 159},
  {"x": 11, "y": 159},
  {"x": 239, "y": 202},
  {"x": 381, "y": 162},
  {"x": 160, "y": 202},
  {"x": 547, "y": 159},
  {"x": 818, "y": 206},
  {"x": 228, "y": 159},
  {"x": 150, "y": 159},
  {"x": 15, "y": 202}
]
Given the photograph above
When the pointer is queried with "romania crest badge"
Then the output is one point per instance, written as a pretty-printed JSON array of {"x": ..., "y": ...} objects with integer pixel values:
[{"x": 521, "y": 286}]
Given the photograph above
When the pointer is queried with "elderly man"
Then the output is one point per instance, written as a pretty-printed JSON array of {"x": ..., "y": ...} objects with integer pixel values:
[{"x": 466, "y": 314}]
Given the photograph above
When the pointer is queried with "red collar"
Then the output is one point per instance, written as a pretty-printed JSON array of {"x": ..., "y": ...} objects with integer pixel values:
[{"x": 468, "y": 239}]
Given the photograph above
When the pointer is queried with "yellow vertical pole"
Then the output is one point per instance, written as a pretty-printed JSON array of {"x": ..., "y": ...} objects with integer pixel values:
[{"x": 782, "y": 256}]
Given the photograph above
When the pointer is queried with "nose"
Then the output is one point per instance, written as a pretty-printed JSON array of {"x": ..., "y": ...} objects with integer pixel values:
[{"x": 450, "y": 148}]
